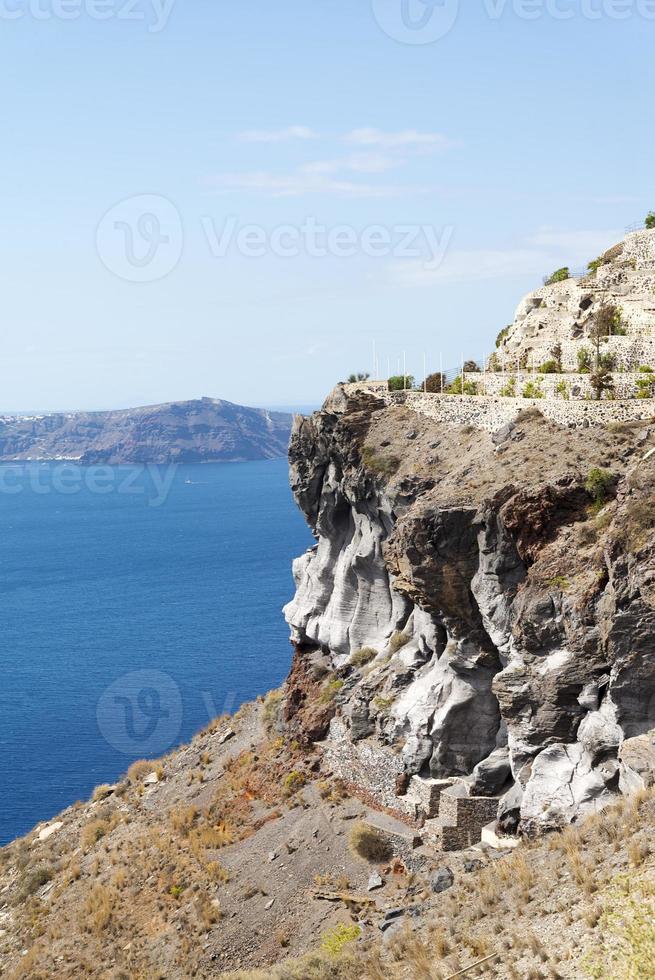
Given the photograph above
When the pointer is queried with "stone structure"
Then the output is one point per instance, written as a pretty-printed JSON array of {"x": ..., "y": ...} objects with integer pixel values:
[
  {"x": 564, "y": 313},
  {"x": 491, "y": 413}
]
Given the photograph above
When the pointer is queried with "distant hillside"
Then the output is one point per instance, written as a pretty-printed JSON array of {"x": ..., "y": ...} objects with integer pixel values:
[{"x": 204, "y": 430}]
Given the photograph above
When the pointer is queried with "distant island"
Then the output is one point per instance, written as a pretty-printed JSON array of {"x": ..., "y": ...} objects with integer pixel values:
[{"x": 204, "y": 430}]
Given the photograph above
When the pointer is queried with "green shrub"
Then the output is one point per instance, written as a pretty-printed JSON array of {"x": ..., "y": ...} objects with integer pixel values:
[
  {"x": 370, "y": 843},
  {"x": 549, "y": 367},
  {"x": 533, "y": 390},
  {"x": 599, "y": 485},
  {"x": 470, "y": 387},
  {"x": 401, "y": 382},
  {"x": 500, "y": 339},
  {"x": 650, "y": 220},
  {"x": 560, "y": 275},
  {"x": 364, "y": 656},
  {"x": 563, "y": 389},
  {"x": 584, "y": 360},
  {"x": 509, "y": 390},
  {"x": 360, "y": 376}
]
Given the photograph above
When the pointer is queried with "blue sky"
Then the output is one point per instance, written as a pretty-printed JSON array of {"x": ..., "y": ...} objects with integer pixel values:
[{"x": 451, "y": 176}]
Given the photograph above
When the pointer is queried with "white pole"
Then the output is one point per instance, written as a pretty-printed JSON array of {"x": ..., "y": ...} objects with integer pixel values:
[
  {"x": 388, "y": 367},
  {"x": 484, "y": 373},
  {"x": 404, "y": 371},
  {"x": 462, "y": 376},
  {"x": 375, "y": 359},
  {"x": 441, "y": 370},
  {"x": 425, "y": 375}
]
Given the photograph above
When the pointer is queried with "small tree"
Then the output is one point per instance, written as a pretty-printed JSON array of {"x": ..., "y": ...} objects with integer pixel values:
[
  {"x": 650, "y": 220},
  {"x": 401, "y": 382},
  {"x": 471, "y": 367},
  {"x": 599, "y": 485},
  {"x": 560, "y": 275},
  {"x": 354, "y": 378},
  {"x": 467, "y": 388},
  {"x": 602, "y": 382},
  {"x": 435, "y": 383},
  {"x": 607, "y": 321}
]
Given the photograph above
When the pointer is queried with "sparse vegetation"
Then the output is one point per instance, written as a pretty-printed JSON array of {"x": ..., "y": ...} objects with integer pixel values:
[
  {"x": 381, "y": 465},
  {"x": 335, "y": 939},
  {"x": 361, "y": 658},
  {"x": 598, "y": 485},
  {"x": 398, "y": 641},
  {"x": 370, "y": 844}
]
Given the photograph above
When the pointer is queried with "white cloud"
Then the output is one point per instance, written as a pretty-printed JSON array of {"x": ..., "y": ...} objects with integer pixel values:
[
  {"x": 277, "y": 135},
  {"x": 406, "y": 139}
]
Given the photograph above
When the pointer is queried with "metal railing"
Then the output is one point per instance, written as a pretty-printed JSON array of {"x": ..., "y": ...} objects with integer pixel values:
[{"x": 573, "y": 274}]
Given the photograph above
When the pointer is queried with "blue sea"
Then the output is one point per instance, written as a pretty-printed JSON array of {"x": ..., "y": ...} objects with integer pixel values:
[{"x": 137, "y": 603}]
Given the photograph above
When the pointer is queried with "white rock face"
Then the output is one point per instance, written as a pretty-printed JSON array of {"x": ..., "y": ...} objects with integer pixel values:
[
  {"x": 564, "y": 312},
  {"x": 487, "y": 672},
  {"x": 50, "y": 830}
]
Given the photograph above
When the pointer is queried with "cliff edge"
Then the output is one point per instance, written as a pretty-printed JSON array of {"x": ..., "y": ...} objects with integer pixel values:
[{"x": 486, "y": 605}]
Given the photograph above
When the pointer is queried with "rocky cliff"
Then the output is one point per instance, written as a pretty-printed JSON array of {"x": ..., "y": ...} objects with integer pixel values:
[
  {"x": 486, "y": 613},
  {"x": 205, "y": 430}
]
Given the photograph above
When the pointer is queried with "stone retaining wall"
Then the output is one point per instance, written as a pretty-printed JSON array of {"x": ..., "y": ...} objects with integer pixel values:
[
  {"x": 492, "y": 412},
  {"x": 368, "y": 767},
  {"x": 577, "y": 386},
  {"x": 630, "y": 352}
]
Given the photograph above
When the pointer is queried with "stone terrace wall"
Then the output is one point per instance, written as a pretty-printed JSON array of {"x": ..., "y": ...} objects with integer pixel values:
[
  {"x": 493, "y": 412},
  {"x": 578, "y": 386},
  {"x": 630, "y": 353}
]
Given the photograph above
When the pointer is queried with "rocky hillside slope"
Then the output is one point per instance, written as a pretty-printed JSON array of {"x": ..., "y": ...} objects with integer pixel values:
[
  {"x": 206, "y": 430},
  {"x": 474, "y": 658},
  {"x": 487, "y": 609}
]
